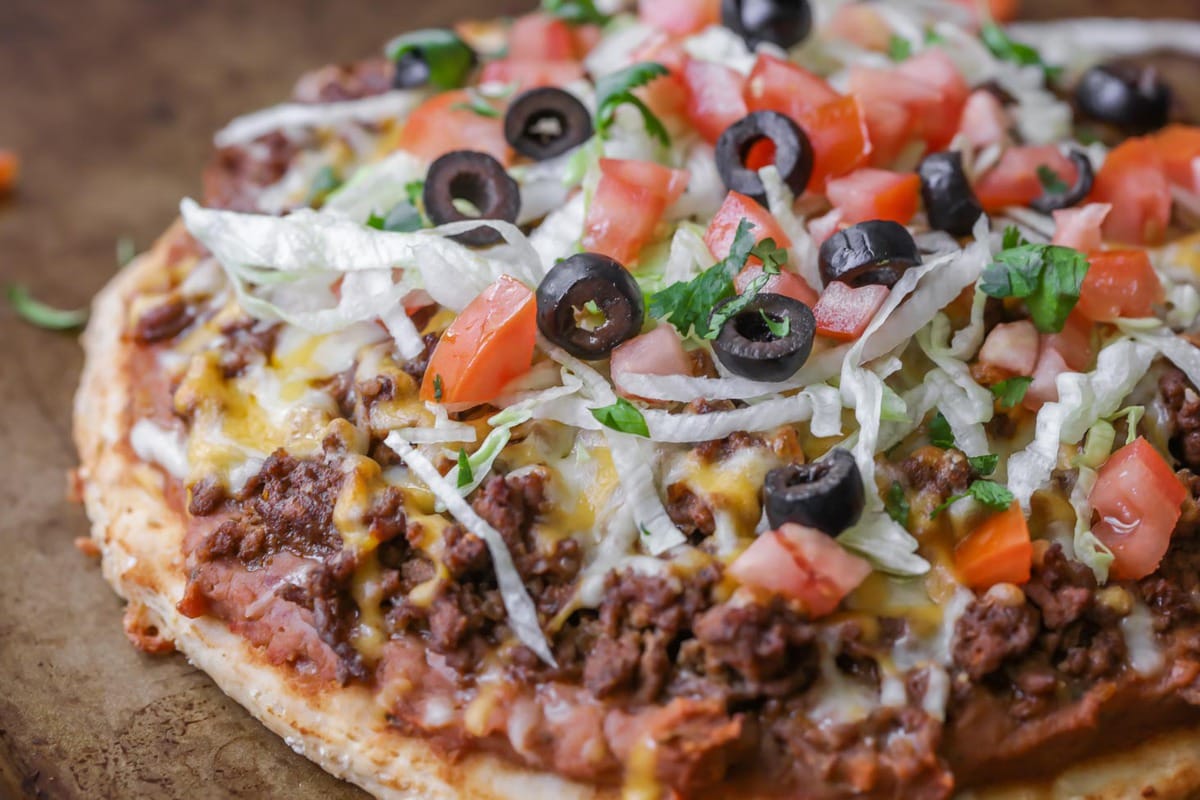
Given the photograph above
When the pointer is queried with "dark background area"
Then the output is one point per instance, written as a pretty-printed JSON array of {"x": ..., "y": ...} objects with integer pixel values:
[{"x": 111, "y": 105}]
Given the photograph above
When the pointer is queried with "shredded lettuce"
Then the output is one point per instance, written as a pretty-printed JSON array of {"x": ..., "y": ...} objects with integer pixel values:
[
  {"x": 1088, "y": 549},
  {"x": 479, "y": 463},
  {"x": 376, "y": 188},
  {"x": 289, "y": 116}
]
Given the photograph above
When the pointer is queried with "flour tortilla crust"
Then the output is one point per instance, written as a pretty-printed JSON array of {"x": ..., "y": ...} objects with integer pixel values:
[{"x": 342, "y": 729}]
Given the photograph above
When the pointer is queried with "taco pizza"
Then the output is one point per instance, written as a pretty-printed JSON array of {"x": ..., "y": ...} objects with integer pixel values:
[{"x": 696, "y": 400}]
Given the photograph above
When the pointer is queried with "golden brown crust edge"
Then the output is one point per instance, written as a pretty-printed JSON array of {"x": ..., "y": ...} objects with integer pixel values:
[{"x": 343, "y": 730}]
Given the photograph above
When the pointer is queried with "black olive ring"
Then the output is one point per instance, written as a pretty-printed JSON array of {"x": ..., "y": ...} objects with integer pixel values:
[
  {"x": 827, "y": 495},
  {"x": 784, "y": 23},
  {"x": 747, "y": 346},
  {"x": 481, "y": 181},
  {"x": 1133, "y": 98},
  {"x": 546, "y": 122},
  {"x": 566, "y": 291},
  {"x": 950, "y": 202},
  {"x": 1053, "y": 201},
  {"x": 793, "y": 153},
  {"x": 873, "y": 252}
]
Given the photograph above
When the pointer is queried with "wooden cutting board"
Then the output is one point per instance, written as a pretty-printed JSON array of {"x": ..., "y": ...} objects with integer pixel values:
[{"x": 111, "y": 105}]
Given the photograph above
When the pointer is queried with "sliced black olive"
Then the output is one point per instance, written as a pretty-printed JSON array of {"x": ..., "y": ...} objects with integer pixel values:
[
  {"x": 873, "y": 252},
  {"x": 950, "y": 202},
  {"x": 1133, "y": 98},
  {"x": 793, "y": 153},
  {"x": 827, "y": 495},
  {"x": 747, "y": 346},
  {"x": 476, "y": 179},
  {"x": 785, "y": 23},
  {"x": 588, "y": 304},
  {"x": 1053, "y": 201},
  {"x": 547, "y": 122}
]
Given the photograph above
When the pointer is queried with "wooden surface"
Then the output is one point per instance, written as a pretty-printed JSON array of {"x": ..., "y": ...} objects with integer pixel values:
[{"x": 111, "y": 104}]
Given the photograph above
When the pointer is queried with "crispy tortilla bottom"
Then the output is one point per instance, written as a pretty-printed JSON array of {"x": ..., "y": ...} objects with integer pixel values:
[{"x": 342, "y": 729}]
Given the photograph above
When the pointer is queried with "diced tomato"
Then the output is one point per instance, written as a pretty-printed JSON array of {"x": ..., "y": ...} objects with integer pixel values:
[
  {"x": 680, "y": 17},
  {"x": 586, "y": 37},
  {"x": 714, "y": 97},
  {"x": 628, "y": 205},
  {"x": 860, "y": 24},
  {"x": 998, "y": 10},
  {"x": 1080, "y": 228},
  {"x": 785, "y": 283},
  {"x": 875, "y": 194},
  {"x": 10, "y": 167},
  {"x": 659, "y": 352},
  {"x": 778, "y": 85},
  {"x": 1012, "y": 348},
  {"x": 488, "y": 345},
  {"x": 540, "y": 37},
  {"x": 984, "y": 121},
  {"x": 840, "y": 139},
  {"x": 737, "y": 207},
  {"x": 1119, "y": 283},
  {"x": 667, "y": 96},
  {"x": 802, "y": 564},
  {"x": 1137, "y": 498},
  {"x": 998, "y": 551},
  {"x": 824, "y": 226},
  {"x": 937, "y": 123},
  {"x": 528, "y": 74},
  {"x": 1070, "y": 350},
  {"x": 890, "y": 100},
  {"x": 1133, "y": 179},
  {"x": 843, "y": 313},
  {"x": 437, "y": 127},
  {"x": 1179, "y": 146},
  {"x": 1014, "y": 180}
]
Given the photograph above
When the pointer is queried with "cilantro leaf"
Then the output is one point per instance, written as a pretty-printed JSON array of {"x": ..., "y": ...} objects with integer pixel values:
[
  {"x": 615, "y": 90},
  {"x": 1004, "y": 48},
  {"x": 896, "y": 504},
  {"x": 438, "y": 388},
  {"x": 1013, "y": 238},
  {"x": 1012, "y": 391},
  {"x": 448, "y": 57},
  {"x": 465, "y": 477},
  {"x": 688, "y": 305},
  {"x": 769, "y": 253},
  {"x": 899, "y": 48},
  {"x": 940, "y": 434},
  {"x": 622, "y": 416},
  {"x": 989, "y": 493},
  {"x": 403, "y": 218},
  {"x": 479, "y": 105},
  {"x": 1048, "y": 277},
  {"x": 1050, "y": 181},
  {"x": 414, "y": 191},
  {"x": 773, "y": 258},
  {"x": 37, "y": 313},
  {"x": 778, "y": 328},
  {"x": 984, "y": 465},
  {"x": 577, "y": 12}
]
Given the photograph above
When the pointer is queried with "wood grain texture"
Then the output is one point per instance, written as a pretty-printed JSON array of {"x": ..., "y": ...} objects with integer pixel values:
[{"x": 111, "y": 104}]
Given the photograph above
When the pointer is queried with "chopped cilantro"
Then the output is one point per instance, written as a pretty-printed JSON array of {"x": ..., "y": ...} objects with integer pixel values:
[
  {"x": 479, "y": 105},
  {"x": 1047, "y": 276},
  {"x": 403, "y": 218},
  {"x": 577, "y": 12},
  {"x": 615, "y": 90},
  {"x": 414, "y": 191},
  {"x": 1013, "y": 238},
  {"x": 778, "y": 328},
  {"x": 1050, "y": 180},
  {"x": 437, "y": 388},
  {"x": 622, "y": 416},
  {"x": 939, "y": 432},
  {"x": 41, "y": 315},
  {"x": 896, "y": 504},
  {"x": 465, "y": 476},
  {"x": 688, "y": 305},
  {"x": 1012, "y": 391},
  {"x": 984, "y": 465},
  {"x": 1004, "y": 48},
  {"x": 449, "y": 58},
  {"x": 989, "y": 493},
  {"x": 899, "y": 48}
]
